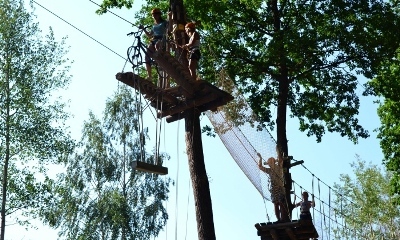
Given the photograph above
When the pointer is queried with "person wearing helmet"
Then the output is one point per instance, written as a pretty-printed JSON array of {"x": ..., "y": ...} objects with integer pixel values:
[
  {"x": 193, "y": 47},
  {"x": 156, "y": 34}
]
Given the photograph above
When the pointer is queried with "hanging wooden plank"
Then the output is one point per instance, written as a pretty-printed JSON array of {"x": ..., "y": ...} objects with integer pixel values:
[{"x": 150, "y": 168}]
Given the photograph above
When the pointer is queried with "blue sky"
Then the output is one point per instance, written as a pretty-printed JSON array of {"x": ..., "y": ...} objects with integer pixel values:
[{"x": 237, "y": 205}]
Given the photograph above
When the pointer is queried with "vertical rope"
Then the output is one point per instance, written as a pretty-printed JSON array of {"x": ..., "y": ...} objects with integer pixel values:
[
  {"x": 158, "y": 137},
  {"x": 266, "y": 209},
  {"x": 187, "y": 211},
  {"x": 341, "y": 210},
  {"x": 320, "y": 207},
  {"x": 329, "y": 205},
  {"x": 177, "y": 183},
  {"x": 312, "y": 189},
  {"x": 294, "y": 192},
  {"x": 139, "y": 110}
]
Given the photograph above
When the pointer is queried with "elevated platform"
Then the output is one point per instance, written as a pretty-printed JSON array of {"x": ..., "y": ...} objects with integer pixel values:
[
  {"x": 172, "y": 102},
  {"x": 295, "y": 230}
]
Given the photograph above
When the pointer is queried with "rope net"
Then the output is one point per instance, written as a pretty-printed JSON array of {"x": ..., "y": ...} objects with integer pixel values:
[{"x": 244, "y": 137}]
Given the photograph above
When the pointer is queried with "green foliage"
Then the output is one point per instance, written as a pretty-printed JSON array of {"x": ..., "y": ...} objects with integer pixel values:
[
  {"x": 100, "y": 196},
  {"x": 32, "y": 131},
  {"x": 369, "y": 210},
  {"x": 304, "y": 58},
  {"x": 318, "y": 47},
  {"x": 304, "y": 55},
  {"x": 387, "y": 86},
  {"x": 108, "y": 4}
]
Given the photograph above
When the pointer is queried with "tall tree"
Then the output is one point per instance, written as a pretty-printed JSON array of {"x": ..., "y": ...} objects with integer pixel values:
[
  {"x": 32, "y": 131},
  {"x": 100, "y": 195},
  {"x": 387, "y": 86},
  {"x": 366, "y": 204},
  {"x": 301, "y": 57}
]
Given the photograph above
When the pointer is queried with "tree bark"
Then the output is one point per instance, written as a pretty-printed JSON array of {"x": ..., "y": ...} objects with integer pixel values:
[
  {"x": 178, "y": 30},
  {"x": 6, "y": 160},
  {"x": 283, "y": 80},
  {"x": 201, "y": 188}
]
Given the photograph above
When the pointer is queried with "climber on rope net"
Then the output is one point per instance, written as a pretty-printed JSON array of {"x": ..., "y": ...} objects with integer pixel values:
[
  {"x": 276, "y": 186},
  {"x": 157, "y": 35}
]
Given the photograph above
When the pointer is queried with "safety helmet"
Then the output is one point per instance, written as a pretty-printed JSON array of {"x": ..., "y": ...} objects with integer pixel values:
[
  {"x": 190, "y": 25},
  {"x": 155, "y": 10}
]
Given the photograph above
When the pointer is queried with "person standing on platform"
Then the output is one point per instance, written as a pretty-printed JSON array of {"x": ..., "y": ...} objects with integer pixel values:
[
  {"x": 276, "y": 187},
  {"x": 157, "y": 33},
  {"x": 193, "y": 47},
  {"x": 305, "y": 206}
]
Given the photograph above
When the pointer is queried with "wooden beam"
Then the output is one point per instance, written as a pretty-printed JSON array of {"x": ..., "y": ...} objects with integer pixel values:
[
  {"x": 274, "y": 234},
  {"x": 175, "y": 117},
  {"x": 281, "y": 225},
  {"x": 146, "y": 88},
  {"x": 191, "y": 103},
  {"x": 296, "y": 163},
  {"x": 150, "y": 168},
  {"x": 291, "y": 234}
]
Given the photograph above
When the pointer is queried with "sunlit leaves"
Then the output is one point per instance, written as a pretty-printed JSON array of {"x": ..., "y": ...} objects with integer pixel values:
[
  {"x": 101, "y": 194},
  {"x": 366, "y": 204},
  {"x": 32, "y": 132}
]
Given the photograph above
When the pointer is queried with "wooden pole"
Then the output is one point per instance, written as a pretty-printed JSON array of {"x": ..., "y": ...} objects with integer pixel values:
[
  {"x": 198, "y": 174},
  {"x": 194, "y": 146}
]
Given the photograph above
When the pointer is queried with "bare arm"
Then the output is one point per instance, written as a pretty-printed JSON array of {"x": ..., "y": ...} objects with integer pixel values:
[
  {"x": 148, "y": 34},
  {"x": 261, "y": 167},
  {"x": 193, "y": 39}
]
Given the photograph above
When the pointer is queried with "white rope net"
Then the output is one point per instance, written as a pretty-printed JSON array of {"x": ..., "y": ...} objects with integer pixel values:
[{"x": 242, "y": 135}]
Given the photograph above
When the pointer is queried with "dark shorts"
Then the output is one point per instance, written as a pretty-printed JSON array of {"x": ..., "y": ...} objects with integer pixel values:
[
  {"x": 279, "y": 198},
  {"x": 305, "y": 216},
  {"x": 155, "y": 39},
  {"x": 194, "y": 54}
]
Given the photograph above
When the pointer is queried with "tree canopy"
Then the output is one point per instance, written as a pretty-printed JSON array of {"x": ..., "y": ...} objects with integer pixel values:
[
  {"x": 293, "y": 58},
  {"x": 32, "y": 131},
  {"x": 301, "y": 55},
  {"x": 387, "y": 86}
]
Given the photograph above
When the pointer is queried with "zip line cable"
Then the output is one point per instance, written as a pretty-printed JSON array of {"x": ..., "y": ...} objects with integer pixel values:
[
  {"x": 80, "y": 31},
  {"x": 113, "y": 13},
  {"x": 347, "y": 199}
]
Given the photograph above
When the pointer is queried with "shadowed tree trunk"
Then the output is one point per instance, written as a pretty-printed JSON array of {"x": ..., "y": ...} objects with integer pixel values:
[{"x": 198, "y": 174}]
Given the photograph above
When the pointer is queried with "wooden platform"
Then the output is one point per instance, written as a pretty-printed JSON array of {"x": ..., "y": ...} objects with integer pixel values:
[
  {"x": 295, "y": 230},
  {"x": 172, "y": 102}
]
